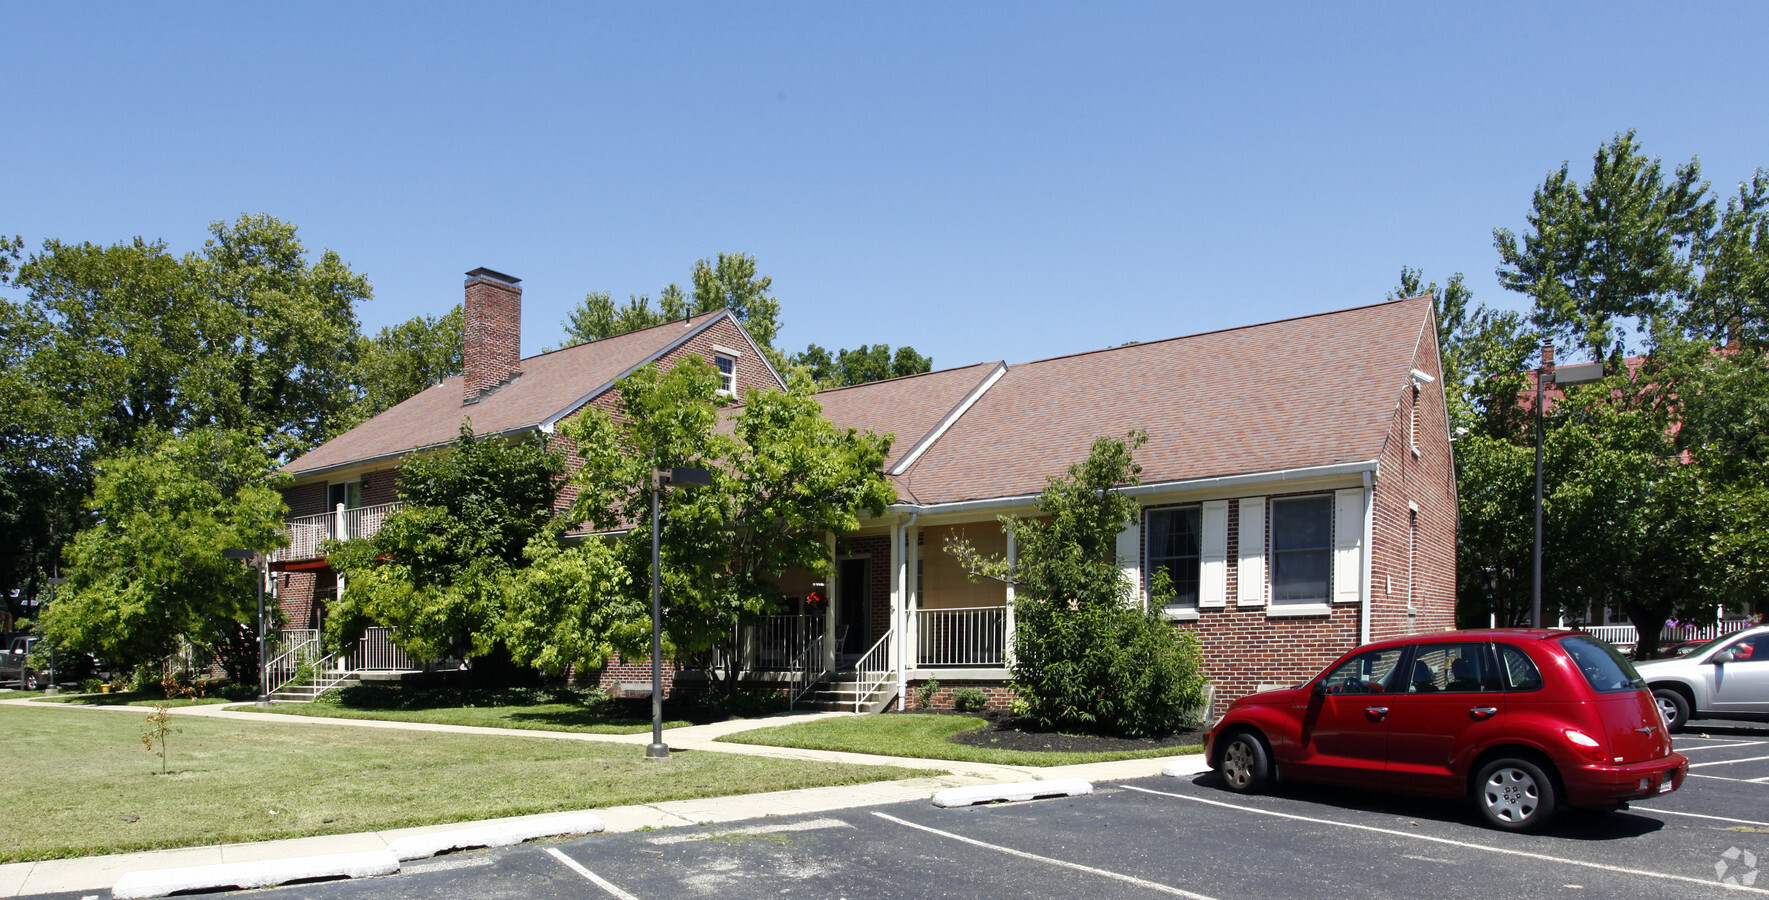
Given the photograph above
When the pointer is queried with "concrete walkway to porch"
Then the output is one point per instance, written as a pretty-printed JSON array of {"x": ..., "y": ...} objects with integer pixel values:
[{"x": 100, "y": 872}]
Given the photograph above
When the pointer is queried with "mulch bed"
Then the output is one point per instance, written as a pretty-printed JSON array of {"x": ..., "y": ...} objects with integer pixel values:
[{"x": 1006, "y": 731}]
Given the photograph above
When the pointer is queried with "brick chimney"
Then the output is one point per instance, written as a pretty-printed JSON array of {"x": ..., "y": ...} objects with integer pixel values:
[{"x": 491, "y": 352}]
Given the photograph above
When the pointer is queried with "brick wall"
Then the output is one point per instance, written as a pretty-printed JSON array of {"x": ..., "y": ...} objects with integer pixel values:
[
  {"x": 491, "y": 346},
  {"x": 621, "y": 671},
  {"x": 380, "y": 487},
  {"x": 298, "y": 594},
  {"x": 306, "y": 499},
  {"x": 999, "y": 695},
  {"x": 1426, "y": 481}
]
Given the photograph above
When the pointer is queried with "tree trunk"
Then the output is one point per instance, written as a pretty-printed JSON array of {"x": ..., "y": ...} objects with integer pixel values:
[{"x": 1648, "y": 623}]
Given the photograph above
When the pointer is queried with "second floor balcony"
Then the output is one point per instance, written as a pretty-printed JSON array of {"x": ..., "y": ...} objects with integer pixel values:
[{"x": 307, "y": 533}]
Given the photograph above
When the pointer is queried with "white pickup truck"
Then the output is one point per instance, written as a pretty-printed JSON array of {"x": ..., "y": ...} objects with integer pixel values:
[
  {"x": 1727, "y": 678},
  {"x": 15, "y": 663}
]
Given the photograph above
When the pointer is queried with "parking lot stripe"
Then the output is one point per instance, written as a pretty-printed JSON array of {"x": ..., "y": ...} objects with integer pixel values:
[
  {"x": 1728, "y": 762},
  {"x": 1063, "y": 863},
  {"x": 1663, "y": 876},
  {"x": 1721, "y": 746},
  {"x": 1672, "y": 812},
  {"x": 1724, "y": 778},
  {"x": 593, "y": 878}
]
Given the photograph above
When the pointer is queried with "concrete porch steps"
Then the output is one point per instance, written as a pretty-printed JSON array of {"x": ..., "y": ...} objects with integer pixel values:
[
  {"x": 842, "y": 693},
  {"x": 306, "y": 691}
]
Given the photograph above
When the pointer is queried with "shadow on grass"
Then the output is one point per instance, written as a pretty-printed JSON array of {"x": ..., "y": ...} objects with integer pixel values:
[{"x": 134, "y": 698}]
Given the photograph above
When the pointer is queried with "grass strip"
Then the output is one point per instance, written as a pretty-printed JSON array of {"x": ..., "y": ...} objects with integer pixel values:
[
  {"x": 133, "y": 698},
  {"x": 920, "y": 737},
  {"x": 532, "y": 717},
  {"x": 82, "y": 783}
]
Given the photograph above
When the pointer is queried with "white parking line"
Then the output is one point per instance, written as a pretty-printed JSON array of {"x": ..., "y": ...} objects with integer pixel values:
[
  {"x": 1728, "y": 762},
  {"x": 592, "y": 877},
  {"x": 1672, "y": 812},
  {"x": 1724, "y": 778},
  {"x": 1131, "y": 879},
  {"x": 1721, "y": 746},
  {"x": 1454, "y": 843}
]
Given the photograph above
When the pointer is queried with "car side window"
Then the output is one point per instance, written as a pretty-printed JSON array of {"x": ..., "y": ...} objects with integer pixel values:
[
  {"x": 1366, "y": 673},
  {"x": 1450, "y": 668},
  {"x": 1517, "y": 671},
  {"x": 1750, "y": 649}
]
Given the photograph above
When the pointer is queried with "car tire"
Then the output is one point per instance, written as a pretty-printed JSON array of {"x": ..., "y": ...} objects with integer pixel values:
[
  {"x": 1673, "y": 706},
  {"x": 30, "y": 681},
  {"x": 1244, "y": 764},
  {"x": 1514, "y": 794}
]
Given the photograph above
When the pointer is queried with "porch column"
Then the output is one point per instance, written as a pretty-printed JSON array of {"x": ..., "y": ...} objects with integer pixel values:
[
  {"x": 338, "y": 531},
  {"x": 899, "y": 621},
  {"x": 912, "y": 598},
  {"x": 1013, "y": 556},
  {"x": 832, "y": 585}
]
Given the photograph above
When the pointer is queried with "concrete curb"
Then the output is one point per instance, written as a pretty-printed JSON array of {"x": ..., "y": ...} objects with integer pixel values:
[
  {"x": 264, "y": 873},
  {"x": 502, "y": 834},
  {"x": 1005, "y": 793}
]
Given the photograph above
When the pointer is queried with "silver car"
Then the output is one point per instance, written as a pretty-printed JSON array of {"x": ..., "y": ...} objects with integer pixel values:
[{"x": 1727, "y": 678}]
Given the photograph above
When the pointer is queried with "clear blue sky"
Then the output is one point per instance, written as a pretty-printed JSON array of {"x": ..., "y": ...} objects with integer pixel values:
[{"x": 979, "y": 180}]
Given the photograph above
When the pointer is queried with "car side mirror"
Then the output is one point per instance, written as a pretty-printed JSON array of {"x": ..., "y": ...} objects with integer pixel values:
[
  {"x": 1320, "y": 688},
  {"x": 1724, "y": 656}
]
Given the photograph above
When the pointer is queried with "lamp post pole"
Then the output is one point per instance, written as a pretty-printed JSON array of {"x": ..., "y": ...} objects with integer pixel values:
[
  {"x": 51, "y": 690},
  {"x": 657, "y": 749},
  {"x": 258, "y": 563},
  {"x": 1565, "y": 376}
]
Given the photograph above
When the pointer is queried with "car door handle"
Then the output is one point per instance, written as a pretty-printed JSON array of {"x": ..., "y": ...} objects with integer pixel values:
[
  {"x": 1482, "y": 713},
  {"x": 1376, "y": 713}
]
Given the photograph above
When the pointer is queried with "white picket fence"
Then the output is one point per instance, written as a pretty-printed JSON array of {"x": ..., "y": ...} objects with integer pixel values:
[{"x": 1626, "y": 636}]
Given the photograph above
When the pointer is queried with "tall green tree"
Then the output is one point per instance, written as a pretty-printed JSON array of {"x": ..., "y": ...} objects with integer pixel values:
[
  {"x": 864, "y": 364},
  {"x": 150, "y": 571},
  {"x": 436, "y": 569},
  {"x": 785, "y": 480},
  {"x": 402, "y": 360}
]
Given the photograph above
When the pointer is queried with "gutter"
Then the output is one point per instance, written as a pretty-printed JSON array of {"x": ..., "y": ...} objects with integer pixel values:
[
  {"x": 1368, "y": 554},
  {"x": 1367, "y": 469}
]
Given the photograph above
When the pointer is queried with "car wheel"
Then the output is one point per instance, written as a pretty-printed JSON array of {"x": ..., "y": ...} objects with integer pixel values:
[
  {"x": 1514, "y": 794},
  {"x": 30, "y": 682},
  {"x": 1245, "y": 766},
  {"x": 1673, "y": 706}
]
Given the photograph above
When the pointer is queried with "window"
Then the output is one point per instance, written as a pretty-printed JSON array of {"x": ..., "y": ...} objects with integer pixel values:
[
  {"x": 1518, "y": 670},
  {"x": 1366, "y": 673},
  {"x": 346, "y": 493},
  {"x": 1173, "y": 548},
  {"x": 1302, "y": 549},
  {"x": 727, "y": 373},
  {"x": 1451, "y": 669},
  {"x": 1604, "y": 668}
]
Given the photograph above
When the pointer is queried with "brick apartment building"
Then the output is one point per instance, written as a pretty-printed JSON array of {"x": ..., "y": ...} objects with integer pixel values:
[{"x": 1297, "y": 485}]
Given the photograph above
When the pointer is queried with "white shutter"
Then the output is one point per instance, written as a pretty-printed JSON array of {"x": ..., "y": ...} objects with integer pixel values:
[
  {"x": 1250, "y": 577},
  {"x": 1348, "y": 545},
  {"x": 1130, "y": 555},
  {"x": 1213, "y": 555}
]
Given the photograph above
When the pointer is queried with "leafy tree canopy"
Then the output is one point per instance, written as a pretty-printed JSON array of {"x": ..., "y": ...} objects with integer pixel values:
[
  {"x": 864, "y": 364},
  {"x": 401, "y": 360},
  {"x": 150, "y": 571}
]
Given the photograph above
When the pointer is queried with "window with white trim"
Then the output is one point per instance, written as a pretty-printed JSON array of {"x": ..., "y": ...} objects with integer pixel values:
[
  {"x": 1302, "y": 549},
  {"x": 1173, "y": 547},
  {"x": 727, "y": 374}
]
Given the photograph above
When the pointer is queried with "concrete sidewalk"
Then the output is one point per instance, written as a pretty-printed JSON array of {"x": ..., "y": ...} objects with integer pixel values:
[{"x": 101, "y": 872}]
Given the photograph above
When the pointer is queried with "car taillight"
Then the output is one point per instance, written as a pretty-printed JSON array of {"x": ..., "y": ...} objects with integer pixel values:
[{"x": 1585, "y": 744}]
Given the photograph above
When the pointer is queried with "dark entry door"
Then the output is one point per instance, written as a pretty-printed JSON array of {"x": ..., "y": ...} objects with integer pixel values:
[{"x": 853, "y": 616}]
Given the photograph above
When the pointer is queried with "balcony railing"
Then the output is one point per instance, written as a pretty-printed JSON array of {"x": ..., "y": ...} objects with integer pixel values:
[
  {"x": 974, "y": 637},
  {"x": 306, "y": 533}
]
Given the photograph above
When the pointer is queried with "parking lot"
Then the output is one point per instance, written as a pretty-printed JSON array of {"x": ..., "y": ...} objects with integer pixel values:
[{"x": 1151, "y": 837}]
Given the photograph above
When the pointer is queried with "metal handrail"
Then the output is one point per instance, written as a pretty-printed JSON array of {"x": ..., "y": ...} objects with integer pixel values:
[
  {"x": 288, "y": 665},
  {"x": 968, "y": 636},
  {"x": 877, "y": 662},
  {"x": 807, "y": 670}
]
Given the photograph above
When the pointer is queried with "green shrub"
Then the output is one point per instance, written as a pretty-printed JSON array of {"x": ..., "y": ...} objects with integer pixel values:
[
  {"x": 969, "y": 699},
  {"x": 924, "y": 693},
  {"x": 91, "y": 685}
]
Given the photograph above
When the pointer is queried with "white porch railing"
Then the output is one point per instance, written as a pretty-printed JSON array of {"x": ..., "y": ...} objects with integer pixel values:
[
  {"x": 1626, "y": 636},
  {"x": 806, "y": 672},
  {"x": 306, "y": 533},
  {"x": 973, "y": 637},
  {"x": 376, "y": 652},
  {"x": 778, "y": 641},
  {"x": 287, "y": 667},
  {"x": 872, "y": 671}
]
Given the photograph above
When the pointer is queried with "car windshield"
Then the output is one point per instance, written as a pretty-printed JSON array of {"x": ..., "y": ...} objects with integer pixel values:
[{"x": 1603, "y": 666}]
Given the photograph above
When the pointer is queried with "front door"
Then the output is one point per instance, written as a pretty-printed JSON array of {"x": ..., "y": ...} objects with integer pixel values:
[
  {"x": 853, "y": 610},
  {"x": 1344, "y": 736},
  {"x": 1742, "y": 685}
]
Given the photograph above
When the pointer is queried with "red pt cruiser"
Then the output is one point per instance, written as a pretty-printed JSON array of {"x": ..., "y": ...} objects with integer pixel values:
[{"x": 1518, "y": 720}]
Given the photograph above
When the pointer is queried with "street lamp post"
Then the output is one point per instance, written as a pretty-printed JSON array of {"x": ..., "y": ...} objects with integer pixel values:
[
  {"x": 51, "y": 690},
  {"x": 1565, "y": 376},
  {"x": 660, "y": 477},
  {"x": 257, "y": 561}
]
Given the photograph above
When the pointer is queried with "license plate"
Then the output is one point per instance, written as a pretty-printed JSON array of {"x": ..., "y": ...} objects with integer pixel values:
[{"x": 1666, "y": 786}]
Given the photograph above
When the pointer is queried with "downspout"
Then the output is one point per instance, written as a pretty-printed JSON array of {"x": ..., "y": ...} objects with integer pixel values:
[{"x": 1369, "y": 555}]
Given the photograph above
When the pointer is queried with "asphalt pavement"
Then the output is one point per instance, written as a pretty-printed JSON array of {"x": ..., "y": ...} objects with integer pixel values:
[{"x": 1151, "y": 837}]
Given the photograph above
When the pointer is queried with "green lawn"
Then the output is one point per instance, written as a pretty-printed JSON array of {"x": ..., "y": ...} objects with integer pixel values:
[
  {"x": 535, "y": 709},
  {"x": 922, "y": 737},
  {"x": 132, "y": 698},
  {"x": 81, "y": 783}
]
